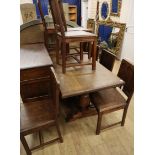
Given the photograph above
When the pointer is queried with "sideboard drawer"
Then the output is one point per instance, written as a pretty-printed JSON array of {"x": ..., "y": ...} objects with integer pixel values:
[{"x": 34, "y": 73}]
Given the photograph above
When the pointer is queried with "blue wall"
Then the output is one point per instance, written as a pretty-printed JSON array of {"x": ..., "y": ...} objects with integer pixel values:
[{"x": 45, "y": 3}]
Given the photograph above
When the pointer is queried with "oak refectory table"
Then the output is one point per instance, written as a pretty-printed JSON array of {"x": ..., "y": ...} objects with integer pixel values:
[{"x": 78, "y": 82}]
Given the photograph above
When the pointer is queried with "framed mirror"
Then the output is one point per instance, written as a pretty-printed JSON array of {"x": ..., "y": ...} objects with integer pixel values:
[
  {"x": 104, "y": 10},
  {"x": 91, "y": 24},
  {"x": 115, "y": 6},
  {"x": 111, "y": 35}
]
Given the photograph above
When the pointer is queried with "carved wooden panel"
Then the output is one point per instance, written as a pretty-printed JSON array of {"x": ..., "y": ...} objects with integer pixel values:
[{"x": 28, "y": 11}]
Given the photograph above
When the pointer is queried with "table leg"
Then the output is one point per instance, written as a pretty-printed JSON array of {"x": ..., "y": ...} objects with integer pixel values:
[
  {"x": 58, "y": 46},
  {"x": 89, "y": 50},
  {"x": 78, "y": 107},
  {"x": 84, "y": 102},
  {"x": 63, "y": 57},
  {"x": 81, "y": 51},
  {"x": 94, "y": 56}
]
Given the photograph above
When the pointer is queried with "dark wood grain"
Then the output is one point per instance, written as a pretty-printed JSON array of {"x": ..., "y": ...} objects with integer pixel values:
[
  {"x": 34, "y": 55},
  {"x": 107, "y": 59},
  {"x": 76, "y": 85},
  {"x": 126, "y": 72},
  {"x": 35, "y": 66},
  {"x": 80, "y": 80}
]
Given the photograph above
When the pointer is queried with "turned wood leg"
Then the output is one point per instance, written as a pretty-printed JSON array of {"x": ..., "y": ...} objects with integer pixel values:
[
  {"x": 59, "y": 133},
  {"x": 89, "y": 50},
  {"x": 46, "y": 40},
  {"x": 23, "y": 140},
  {"x": 99, "y": 119},
  {"x": 84, "y": 102},
  {"x": 97, "y": 52},
  {"x": 67, "y": 48},
  {"x": 58, "y": 43},
  {"x": 41, "y": 138},
  {"x": 63, "y": 57},
  {"x": 124, "y": 116},
  {"x": 94, "y": 56},
  {"x": 81, "y": 51}
]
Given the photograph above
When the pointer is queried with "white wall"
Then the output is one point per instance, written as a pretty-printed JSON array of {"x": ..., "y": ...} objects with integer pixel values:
[
  {"x": 84, "y": 13},
  {"x": 128, "y": 17}
]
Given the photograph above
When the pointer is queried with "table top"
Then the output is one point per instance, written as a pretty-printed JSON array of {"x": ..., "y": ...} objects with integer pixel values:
[
  {"x": 82, "y": 80},
  {"x": 34, "y": 55}
]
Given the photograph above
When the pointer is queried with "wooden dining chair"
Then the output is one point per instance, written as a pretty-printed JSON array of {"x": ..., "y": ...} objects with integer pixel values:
[
  {"x": 82, "y": 44},
  {"x": 37, "y": 115},
  {"x": 107, "y": 59},
  {"x": 64, "y": 38},
  {"x": 49, "y": 31},
  {"x": 110, "y": 100}
]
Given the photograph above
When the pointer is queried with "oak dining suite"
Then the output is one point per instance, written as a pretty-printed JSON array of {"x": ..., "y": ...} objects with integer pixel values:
[{"x": 52, "y": 83}]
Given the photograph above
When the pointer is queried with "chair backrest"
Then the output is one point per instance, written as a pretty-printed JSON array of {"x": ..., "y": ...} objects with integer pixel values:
[
  {"x": 57, "y": 16},
  {"x": 41, "y": 14},
  {"x": 126, "y": 73},
  {"x": 62, "y": 14},
  {"x": 107, "y": 59},
  {"x": 55, "y": 89},
  {"x": 51, "y": 85},
  {"x": 28, "y": 12}
]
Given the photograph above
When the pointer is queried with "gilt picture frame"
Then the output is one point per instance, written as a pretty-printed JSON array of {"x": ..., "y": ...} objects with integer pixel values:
[
  {"x": 115, "y": 7},
  {"x": 120, "y": 35}
]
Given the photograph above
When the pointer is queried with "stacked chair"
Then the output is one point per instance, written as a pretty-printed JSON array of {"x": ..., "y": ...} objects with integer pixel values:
[
  {"x": 49, "y": 31},
  {"x": 64, "y": 38}
]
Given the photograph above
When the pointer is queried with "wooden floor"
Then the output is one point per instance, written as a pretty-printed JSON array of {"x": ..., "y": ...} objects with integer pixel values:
[{"x": 80, "y": 139}]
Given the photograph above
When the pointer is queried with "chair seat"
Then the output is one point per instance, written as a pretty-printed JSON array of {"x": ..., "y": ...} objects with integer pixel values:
[
  {"x": 75, "y": 34},
  {"x": 36, "y": 114},
  {"x": 107, "y": 99}
]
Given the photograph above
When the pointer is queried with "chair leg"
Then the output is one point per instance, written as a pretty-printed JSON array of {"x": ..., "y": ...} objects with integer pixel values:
[
  {"x": 57, "y": 50},
  {"x": 89, "y": 50},
  {"x": 46, "y": 40},
  {"x": 94, "y": 56},
  {"x": 98, "y": 128},
  {"x": 23, "y": 140},
  {"x": 41, "y": 138},
  {"x": 81, "y": 51},
  {"x": 124, "y": 116},
  {"x": 59, "y": 133},
  {"x": 67, "y": 48},
  {"x": 64, "y": 57}
]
